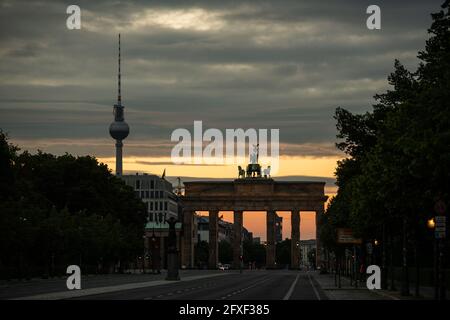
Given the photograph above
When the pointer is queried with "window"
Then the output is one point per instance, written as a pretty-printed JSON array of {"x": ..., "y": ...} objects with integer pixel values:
[
  {"x": 151, "y": 206},
  {"x": 152, "y": 194},
  {"x": 160, "y": 217},
  {"x": 142, "y": 194},
  {"x": 151, "y": 217},
  {"x": 165, "y": 205},
  {"x": 152, "y": 184},
  {"x": 138, "y": 184},
  {"x": 136, "y": 193},
  {"x": 147, "y": 193},
  {"x": 156, "y": 194},
  {"x": 161, "y": 194}
]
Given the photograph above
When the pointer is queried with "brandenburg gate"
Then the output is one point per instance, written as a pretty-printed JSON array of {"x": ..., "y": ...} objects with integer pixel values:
[{"x": 249, "y": 194}]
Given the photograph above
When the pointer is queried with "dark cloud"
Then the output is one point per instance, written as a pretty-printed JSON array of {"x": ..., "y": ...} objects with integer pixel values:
[{"x": 264, "y": 64}]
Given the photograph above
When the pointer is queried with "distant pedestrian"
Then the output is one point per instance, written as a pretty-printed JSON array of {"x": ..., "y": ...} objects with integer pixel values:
[{"x": 362, "y": 272}]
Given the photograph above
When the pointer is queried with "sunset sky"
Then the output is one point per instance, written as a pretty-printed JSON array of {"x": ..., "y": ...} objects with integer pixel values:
[{"x": 232, "y": 64}]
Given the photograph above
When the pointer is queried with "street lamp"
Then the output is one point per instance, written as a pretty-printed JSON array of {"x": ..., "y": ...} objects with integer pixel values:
[
  {"x": 153, "y": 251},
  {"x": 145, "y": 252},
  {"x": 431, "y": 223}
]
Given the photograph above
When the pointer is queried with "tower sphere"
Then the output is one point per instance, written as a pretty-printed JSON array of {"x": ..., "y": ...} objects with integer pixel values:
[{"x": 119, "y": 130}]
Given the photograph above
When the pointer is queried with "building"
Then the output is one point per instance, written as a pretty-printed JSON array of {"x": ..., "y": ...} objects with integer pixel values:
[
  {"x": 202, "y": 228},
  {"x": 306, "y": 246},
  {"x": 257, "y": 240},
  {"x": 162, "y": 204},
  {"x": 278, "y": 228},
  {"x": 225, "y": 230}
]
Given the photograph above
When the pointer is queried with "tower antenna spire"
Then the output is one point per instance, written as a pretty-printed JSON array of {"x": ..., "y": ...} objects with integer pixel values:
[
  {"x": 119, "y": 98},
  {"x": 119, "y": 129}
]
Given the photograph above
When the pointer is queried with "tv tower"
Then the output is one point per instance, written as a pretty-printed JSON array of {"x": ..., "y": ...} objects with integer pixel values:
[{"x": 119, "y": 129}]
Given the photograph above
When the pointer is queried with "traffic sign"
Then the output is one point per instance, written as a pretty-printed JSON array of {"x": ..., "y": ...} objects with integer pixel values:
[
  {"x": 440, "y": 220},
  {"x": 345, "y": 236},
  {"x": 440, "y": 228}
]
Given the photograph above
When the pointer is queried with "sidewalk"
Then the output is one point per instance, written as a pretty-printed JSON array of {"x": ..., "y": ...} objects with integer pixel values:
[
  {"x": 69, "y": 294},
  {"x": 347, "y": 292},
  {"x": 44, "y": 287}
]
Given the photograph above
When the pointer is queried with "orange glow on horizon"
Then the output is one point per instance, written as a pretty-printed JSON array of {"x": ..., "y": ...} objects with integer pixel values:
[
  {"x": 253, "y": 221},
  {"x": 289, "y": 166}
]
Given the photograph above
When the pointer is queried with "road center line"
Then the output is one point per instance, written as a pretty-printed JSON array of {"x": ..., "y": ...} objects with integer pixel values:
[
  {"x": 291, "y": 288},
  {"x": 314, "y": 288},
  {"x": 258, "y": 282}
]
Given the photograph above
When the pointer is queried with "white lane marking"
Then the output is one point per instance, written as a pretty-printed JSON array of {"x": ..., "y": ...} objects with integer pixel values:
[
  {"x": 314, "y": 288},
  {"x": 291, "y": 288},
  {"x": 246, "y": 288}
]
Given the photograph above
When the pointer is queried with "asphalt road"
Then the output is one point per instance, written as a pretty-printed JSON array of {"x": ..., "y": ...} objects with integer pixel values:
[
  {"x": 16, "y": 289},
  {"x": 261, "y": 285}
]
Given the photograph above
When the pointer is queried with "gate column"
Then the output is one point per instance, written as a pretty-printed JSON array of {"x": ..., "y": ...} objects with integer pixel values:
[
  {"x": 295, "y": 239},
  {"x": 270, "y": 246},
  {"x": 237, "y": 239},
  {"x": 188, "y": 239},
  {"x": 213, "y": 243},
  {"x": 319, "y": 258}
]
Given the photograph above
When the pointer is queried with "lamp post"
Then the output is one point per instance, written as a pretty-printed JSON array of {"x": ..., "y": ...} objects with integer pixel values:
[
  {"x": 172, "y": 264},
  {"x": 405, "y": 276},
  {"x": 153, "y": 251},
  {"x": 241, "y": 257},
  {"x": 439, "y": 234},
  {"x": 145, "y": 252},
  {"x": 430, "y": 225}
]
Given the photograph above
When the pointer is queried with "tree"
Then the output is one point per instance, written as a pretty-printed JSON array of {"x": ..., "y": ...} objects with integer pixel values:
[
  {"x": 225, "y": 252},
  {"x": 202, "y": 254},
  {"x": 398, "y": 157},
  {"x": 283, "y": 253},
  {"x": 61, "y": 210}
]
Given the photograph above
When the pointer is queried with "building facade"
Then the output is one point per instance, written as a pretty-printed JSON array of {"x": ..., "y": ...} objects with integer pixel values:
[
  {"x": 157, "y": 193},
  {"x": 162, "y": 204},
  {"x": 225, "y": 230},
  {"x": 306, "y": 246},
  {"x": 278, "y": 228}
]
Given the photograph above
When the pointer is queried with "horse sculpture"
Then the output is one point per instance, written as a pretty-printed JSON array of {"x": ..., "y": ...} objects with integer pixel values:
[
  {"x": 253, "y": 170},
  {"x": 266, "y": 172},
  {"x": 241, "y": 172}
]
